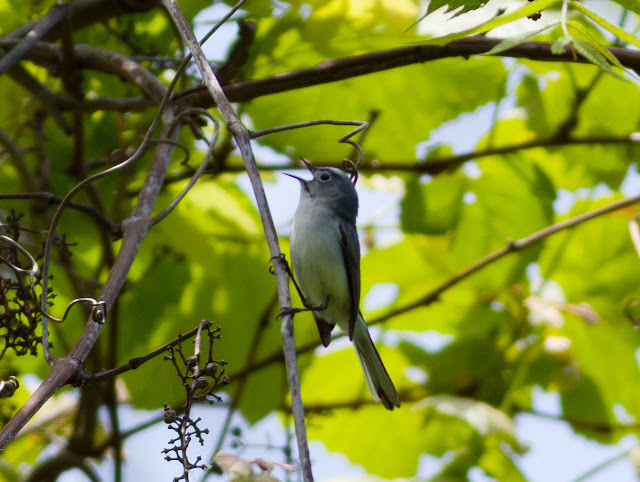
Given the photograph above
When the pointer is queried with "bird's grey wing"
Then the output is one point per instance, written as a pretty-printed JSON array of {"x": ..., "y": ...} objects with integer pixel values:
[
  {"x": 324, "y": 327},
  {"x": 351, "y": 255}
]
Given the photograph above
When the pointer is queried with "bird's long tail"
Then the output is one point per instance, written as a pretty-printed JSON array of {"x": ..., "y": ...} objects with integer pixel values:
[{"x": 380, "y": 385}]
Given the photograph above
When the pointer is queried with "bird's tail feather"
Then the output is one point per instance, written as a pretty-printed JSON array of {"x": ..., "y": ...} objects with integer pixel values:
[{"x": 378, "y": 380}]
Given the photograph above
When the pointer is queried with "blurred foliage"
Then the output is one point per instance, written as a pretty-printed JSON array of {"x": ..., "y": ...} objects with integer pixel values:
[{"x": 550, "y": 317}]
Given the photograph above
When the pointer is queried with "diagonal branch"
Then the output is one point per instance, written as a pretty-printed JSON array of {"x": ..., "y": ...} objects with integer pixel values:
[
  {"x": 92, "y": 211},
  {"x": 40, "y": 28},
  {"x": 87, "y": 12},
  {"x": 242, "y": 138},
  {"x": 511, "y": 247},
  {"x": 433, "y": 295},
  {"x": 135, "y": 229},
  {"x": 134, "y": 363},
  {"x": 333, "y": 70}
]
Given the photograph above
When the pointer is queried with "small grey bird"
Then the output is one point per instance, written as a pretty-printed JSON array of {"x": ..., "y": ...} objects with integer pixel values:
[{"x": 325, "y": 254}]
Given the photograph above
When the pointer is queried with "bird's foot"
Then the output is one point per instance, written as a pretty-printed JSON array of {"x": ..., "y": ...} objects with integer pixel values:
[{"x": 292, "y": 311}]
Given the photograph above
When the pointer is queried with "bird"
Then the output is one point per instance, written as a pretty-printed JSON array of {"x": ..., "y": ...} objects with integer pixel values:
[{"x": 325, "y": 256}]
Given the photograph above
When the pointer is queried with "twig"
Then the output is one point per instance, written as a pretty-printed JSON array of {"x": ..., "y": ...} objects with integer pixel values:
[
  {"x": 134, "y": 363},
  {"x": 603, "y": 465},
  {"x": 50, "y": 468},
  {"x": 346, "y": 139},
  {"x": 135, "y": 229},
  {"x": 243, "y": 140},
  {"x": 87, "y": 12},
  {"x": 114, "y": 229},
  {"x": 438, "y": 165},
  {"x": 199, "y": 171},
  {"x": 333, "y": 70},
  {"x": 28, "y": 179},
  {"x": 431, "y": 296},
  {"x": 511, "y": 247},
  {"x": 43, "y": 25}
]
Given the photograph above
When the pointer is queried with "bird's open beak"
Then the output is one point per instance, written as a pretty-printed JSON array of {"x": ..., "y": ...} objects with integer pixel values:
[
  {"x": 311, "y": 168},
  {"x": 304, "y": 184},
  {"x": 296, "y": 177}
]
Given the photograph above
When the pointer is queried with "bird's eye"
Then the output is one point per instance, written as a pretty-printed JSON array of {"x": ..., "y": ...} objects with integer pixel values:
[{"x": 324, "y": 177}]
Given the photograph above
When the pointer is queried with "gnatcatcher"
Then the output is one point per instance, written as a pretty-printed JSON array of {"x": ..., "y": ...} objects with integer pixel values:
[{"x": 325, "y": 254}]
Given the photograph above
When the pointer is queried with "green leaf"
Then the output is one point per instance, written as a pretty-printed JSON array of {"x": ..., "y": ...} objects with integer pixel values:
[
  {"x": 497, "y": 464},
  {"x": 467, "y": 5},
  {"x": 484, "y": 419},
  {"x": 596, "y": 263},
  {"x": 443, "y": 89},
  {"x": 527, "y": 10},
  {"x": 468, "y": 365},
  {"x": 350, "y": 385},
  {"x": 470, "y": 433},
  {"x": 593, "y": 55},
  {"x": 606, "y": 111},
  {"x": 434, "y": 207},
  {"x": 334, "y": 29},
  {"x": 604, "y": 23},
  {"x": 395, "y": 264},
  {"x": 370, "y": 17},
  {"x": 592, "y": 40},
  {"x": 516, "y": 40},
  {"x": 531, "y": 98},
  {"x": 190, "y": 8},
  {"x": 15, "y": 14},
  {"x": 558, "y": 47},
  {"x": 510, "y": 200},
  {"x": 388, "y": 454}
]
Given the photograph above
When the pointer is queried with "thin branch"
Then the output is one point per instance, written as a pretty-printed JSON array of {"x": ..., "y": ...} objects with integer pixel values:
[
  {"x": 433, "y": 295},
  {"x": 123, "y": 104},
  {"x": 135, "y": 229},
  {"x": 334, "y": 70},
  {"x": 331, "y": 70},
  {"x": 55, "y": 14},
  {"x": 28, "y": 179},
  {"x": 88, "y": 12},
  {"x": 49, "y": 469},
  {"x": 350, "y": 166},
  {"x": 243, "y": 140},
  {"x": 435, "y": 165},
  {"x": 199, "y": 171},
  {"x": 581, "y": 423},
  {"x": 134, "y": 363},
  {"x": 114, "y": 229},
  {"x": 604, "y": 464},
  {"x": 40, "y": 92},
  {"x": 409, "y": 398},
  {"x": 511, "y": 247}
]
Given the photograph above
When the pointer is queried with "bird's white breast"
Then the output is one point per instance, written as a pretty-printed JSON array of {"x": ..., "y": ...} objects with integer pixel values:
[{"x": 318, "y": 262}]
